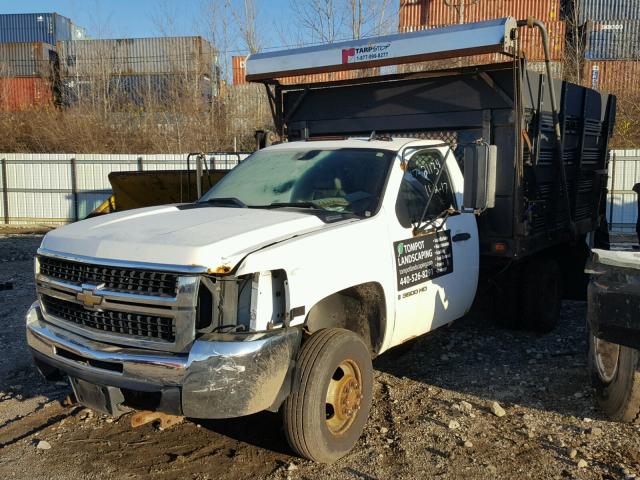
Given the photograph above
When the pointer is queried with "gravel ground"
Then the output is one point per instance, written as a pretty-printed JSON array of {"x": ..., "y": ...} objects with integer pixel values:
[{"x": 468, "y": 401}]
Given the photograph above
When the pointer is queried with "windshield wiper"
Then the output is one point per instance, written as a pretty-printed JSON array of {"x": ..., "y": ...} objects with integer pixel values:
[
  {"x": 292, "y": 204},
  {"x": 225, "y": 201}
]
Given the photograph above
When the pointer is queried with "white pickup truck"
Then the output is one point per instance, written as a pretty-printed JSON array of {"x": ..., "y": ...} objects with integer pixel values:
[
  {"x": 330, "y": 241},
  {"x": 277, "y": 287}
]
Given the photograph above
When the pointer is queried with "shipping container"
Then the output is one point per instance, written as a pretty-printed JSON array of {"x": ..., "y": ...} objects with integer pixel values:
[
  {"x": 557, "y": 68},
  {"x": 133, "y": 56},
  {"x": 138, "y": 90},
  {"x": 78, "y": 33},
  {"x": 34, "y": 27},
  {"x": 530, "y": 44},
  {"x": 416, "y": 14},
  {"x": 239, "y": 69},
  {"x": 442, "y": 12},
  {"x": 616, "y": 76},
  {"x": 531, "y": 41},
  {"x": 412, "y": 15},
  {"x": 24, "y": 93},
  {"x": 329, "y": 76},
  {"x": 27, "y": 60},
  {"x": 613, "y": 40},
  {"x": 582, "y": 11},
  {"x": 160, "y": 89}
]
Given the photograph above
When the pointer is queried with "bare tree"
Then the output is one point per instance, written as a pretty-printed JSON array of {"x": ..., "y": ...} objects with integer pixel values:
[
  {"x": 214, "y": 24},
  {"x": 321, "y": 20},
  {"x": 100, "y": 22},
  {"x": 246, "y": 17},
  {"x": 327, "y": 21},
  {"x": 163, "y": 17},
  {"x": 460, "y": 5},
  {"x": 357, "y": 17},
  {"x": 369, "y": 17},
  {"x": 575, "y": 45}
]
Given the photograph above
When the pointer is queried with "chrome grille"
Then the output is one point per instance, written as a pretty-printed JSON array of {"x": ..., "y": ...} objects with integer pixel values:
[
  {"x": 112, "y": 321},
  {"x": 141, "y": 305},
  {"x": 117, "y": 279}
]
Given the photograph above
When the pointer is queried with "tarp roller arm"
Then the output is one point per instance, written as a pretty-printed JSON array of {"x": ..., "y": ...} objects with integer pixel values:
[{"x": 532, "y": 22}]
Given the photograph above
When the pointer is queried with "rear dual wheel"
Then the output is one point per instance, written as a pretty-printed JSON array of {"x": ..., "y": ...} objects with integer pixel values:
[
  {"x": 541, "y": 295},
  {"x": 331, "y": 398},
  {"x": 529, "y": 296}
]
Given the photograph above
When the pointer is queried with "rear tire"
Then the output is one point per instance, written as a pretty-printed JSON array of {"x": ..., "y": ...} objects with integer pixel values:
[
  {"x": 505, "y": 298},
  {"x": 615, "y": 376},
  {"x": 331, "y": 397},
  {"x": 541, "y": 295}
]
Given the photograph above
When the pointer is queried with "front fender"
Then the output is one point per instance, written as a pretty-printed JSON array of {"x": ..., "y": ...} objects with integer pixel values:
[{"x": 329, "y": 261}]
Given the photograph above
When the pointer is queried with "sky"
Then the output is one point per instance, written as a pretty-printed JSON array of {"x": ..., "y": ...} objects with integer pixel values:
[{"x": 144, "y": 18}]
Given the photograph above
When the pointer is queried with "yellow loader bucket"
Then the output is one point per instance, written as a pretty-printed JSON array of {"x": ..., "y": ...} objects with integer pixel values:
[{"x": 150, "y": 188}]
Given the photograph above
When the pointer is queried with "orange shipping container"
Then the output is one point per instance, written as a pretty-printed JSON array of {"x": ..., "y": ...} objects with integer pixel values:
[
  {"x": 324, "y": 77},
  {"x": 413, "y": 15},
  {"x": 531, "y": 41},
  {"x": 615, "y": 76},
  {"x": 239, "y": 69},
  {"x": 443, "y": 12},
  {"x": 24, "y": 93}
]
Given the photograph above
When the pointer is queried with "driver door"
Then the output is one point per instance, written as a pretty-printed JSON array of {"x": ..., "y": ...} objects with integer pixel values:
[{"x": 436, "y": 271}]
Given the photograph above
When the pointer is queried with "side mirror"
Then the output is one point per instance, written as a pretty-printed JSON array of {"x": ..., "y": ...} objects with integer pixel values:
[{"x": 480, "y": 176}]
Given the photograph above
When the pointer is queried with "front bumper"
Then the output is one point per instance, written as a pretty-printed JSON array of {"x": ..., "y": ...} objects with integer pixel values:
[{"x": 222, "y": 376}]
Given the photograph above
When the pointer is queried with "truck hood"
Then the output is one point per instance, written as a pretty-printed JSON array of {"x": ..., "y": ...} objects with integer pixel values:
[{"x": 210, "y": 237}]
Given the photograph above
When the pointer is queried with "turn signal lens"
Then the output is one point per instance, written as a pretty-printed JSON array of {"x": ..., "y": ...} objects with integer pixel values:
[{"x": 500, "y": 247}]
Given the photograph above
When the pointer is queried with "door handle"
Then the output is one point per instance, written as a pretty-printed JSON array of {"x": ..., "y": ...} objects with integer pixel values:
[{"x": 461, "y": 237}]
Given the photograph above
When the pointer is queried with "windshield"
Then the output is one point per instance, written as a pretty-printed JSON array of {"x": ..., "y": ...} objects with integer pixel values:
[{"x": 342, "y": 180}]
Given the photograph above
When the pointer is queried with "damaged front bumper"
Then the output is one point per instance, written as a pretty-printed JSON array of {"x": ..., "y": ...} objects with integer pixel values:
[{"x": 222, "y": 376}]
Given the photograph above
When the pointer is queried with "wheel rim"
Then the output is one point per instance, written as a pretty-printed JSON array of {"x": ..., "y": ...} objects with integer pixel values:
[
  {"x": 606, "y": 359},
  {"x": 344, "y": 397}
]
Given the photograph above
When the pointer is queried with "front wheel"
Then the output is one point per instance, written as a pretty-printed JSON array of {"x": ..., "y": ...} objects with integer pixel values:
[
  {"x": 615, "y": 375},
  {"x": 331, "y": 398}
]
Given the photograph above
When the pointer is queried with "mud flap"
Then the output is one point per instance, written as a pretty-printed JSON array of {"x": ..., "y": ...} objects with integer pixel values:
[{"x": 106, "y": 400}]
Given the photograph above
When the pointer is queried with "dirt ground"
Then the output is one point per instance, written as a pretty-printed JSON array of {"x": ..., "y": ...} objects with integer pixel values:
[{"x": 431, "y": 418}]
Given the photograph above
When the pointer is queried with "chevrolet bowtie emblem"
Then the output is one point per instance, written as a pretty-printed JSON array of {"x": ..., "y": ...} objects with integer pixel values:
[{"x": 88, "y": 296}]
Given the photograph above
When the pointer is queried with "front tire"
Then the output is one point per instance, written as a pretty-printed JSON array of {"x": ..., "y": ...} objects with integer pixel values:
[
  {"x": 615, "y": 376},
  {"x": 331, "y": 398}
]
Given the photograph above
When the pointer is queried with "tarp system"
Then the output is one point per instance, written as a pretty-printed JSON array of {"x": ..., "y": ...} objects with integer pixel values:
[
  {"x": 551, "y": 136},
  {"x": 493, "y": 36}
]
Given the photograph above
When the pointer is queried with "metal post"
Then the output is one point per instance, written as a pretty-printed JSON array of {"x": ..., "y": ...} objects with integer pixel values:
[
  {"x": 612, "y": 191},
  {"x": 140, "y": 164},
  {"x": 199, "y": 159},
  {"x": 74, "y": 190},
  {"x": 534, "y": 23},
  {"x": 5, "y": 191}
]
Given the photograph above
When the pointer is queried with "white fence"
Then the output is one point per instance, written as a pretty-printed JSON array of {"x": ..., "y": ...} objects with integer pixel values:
[
  {"x": 60, "y": 188},
  {"x": 54, "y": 189},
  {"x": 622, "y": 201}
]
